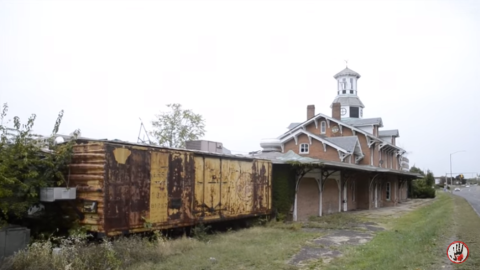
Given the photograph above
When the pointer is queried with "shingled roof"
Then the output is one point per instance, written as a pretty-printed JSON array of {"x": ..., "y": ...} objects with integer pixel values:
[
  {"x": 347, "y": 72},
  {"x": 388, "y": 133}
]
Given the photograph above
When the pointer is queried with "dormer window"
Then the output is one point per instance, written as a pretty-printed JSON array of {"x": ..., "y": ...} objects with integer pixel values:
[
  {"x": 323, "y": 127},
  {"x": 304, "y": 148}
]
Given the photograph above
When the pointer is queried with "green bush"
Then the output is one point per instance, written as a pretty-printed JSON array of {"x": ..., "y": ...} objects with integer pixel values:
[
  {"x": 421, "y": 189},
  {"x": 283, "y": 191},
  {"x": 28, "y": 163}
]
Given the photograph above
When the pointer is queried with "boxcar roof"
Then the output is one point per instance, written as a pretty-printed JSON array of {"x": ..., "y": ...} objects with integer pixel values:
[{"x": 199, "y": 152}]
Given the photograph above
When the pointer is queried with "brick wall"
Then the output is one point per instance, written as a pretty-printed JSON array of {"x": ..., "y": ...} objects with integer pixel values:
[
  {"x": 315, "y": 149},
  {"x": 308, "y": 199}
]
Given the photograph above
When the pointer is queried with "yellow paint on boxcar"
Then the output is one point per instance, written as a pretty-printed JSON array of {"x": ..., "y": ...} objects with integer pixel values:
[
  {"x": 158, "y": 187},
  {"x": 121, "y": 155},
  {"x": 198, "y": 207},
  {"x": 212, "y": 187}
]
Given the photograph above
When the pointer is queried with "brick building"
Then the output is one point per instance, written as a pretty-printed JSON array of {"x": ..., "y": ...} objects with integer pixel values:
[{"x": 361, "y": 165}]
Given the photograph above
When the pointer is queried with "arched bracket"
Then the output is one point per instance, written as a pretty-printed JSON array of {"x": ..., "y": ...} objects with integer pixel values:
[
  {"x": 342, "y": 155},
  {"x": 370, "y": 141}
]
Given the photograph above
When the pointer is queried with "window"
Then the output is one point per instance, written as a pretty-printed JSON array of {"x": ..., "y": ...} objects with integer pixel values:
[
  {"x": 351, "y": 85},
  {"x": 344, "y": 91},
  {"x": 351, "y": 91},
  {"x": 352, "y": 189},
  {"x": 387, "y": 195},
  {"x": 344, "y": 84},
  {"x": 354, "y": 112},
  {"x": 304, "y": 148},
  {"x": 361, "y": 112},
  {"x": 323, "y": 127}
]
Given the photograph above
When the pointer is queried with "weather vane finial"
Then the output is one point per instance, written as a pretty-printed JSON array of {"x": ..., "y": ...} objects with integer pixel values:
[{"x": 346, "y": 63}]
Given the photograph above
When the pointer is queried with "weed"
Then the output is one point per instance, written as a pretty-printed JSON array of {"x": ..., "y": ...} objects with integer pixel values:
[{"x": 200, "y": 232}]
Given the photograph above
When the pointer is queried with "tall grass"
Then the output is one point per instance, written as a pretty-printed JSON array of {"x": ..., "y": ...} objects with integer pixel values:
[{"x": 76, "y": 253}]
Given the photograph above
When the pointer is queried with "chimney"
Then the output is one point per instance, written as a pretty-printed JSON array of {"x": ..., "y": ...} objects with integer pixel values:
[
  {"x": 336, "y": 110},
  {"x": 310, "y": 111}
]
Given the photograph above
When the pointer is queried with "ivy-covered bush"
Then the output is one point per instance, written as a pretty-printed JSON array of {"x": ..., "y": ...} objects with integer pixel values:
[
  {"x": 27, "y": 163},
  {"x": 283, "y": 190}
]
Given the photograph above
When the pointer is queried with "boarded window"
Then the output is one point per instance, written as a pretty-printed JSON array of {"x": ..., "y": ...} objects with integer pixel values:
[{"x": 387, "y": 195}]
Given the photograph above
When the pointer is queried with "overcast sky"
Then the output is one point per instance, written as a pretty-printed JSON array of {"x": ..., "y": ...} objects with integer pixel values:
[{"x": 249, "y": 67}]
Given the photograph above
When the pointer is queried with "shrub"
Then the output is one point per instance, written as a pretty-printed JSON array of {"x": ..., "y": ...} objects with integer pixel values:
[{"x": 421, "y": 189}]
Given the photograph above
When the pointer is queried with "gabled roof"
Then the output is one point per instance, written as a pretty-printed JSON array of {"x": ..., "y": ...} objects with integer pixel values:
[
  {"x": 356, "y": 122},
  {"x": 347, "y": 72},
  {"x": 388, "y": 133},
  {"x": 348, "y": 101},
  {"x": 350, "y": 143},
  {"x": 320, "y": 115},
  {"x": 313, "y": 136}
]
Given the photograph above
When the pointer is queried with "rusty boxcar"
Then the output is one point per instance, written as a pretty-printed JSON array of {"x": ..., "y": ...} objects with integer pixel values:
[{"x": 126, "y": 188}]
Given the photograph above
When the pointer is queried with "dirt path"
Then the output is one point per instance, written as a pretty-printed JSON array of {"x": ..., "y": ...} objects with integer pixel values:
[{"x": 369, "y": 222}]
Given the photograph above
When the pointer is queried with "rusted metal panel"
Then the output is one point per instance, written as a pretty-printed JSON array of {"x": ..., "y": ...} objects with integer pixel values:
[
  {"x": 86, "y": 172},
  {"x": 181, "y": 177},
  {"x": 127, "y": 192},
  {"x": 130, "y": 185},
  {"x": 259, "y": 179}
]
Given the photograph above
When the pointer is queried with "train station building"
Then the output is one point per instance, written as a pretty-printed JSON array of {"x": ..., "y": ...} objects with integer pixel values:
[{"x": 340, "y": 160}]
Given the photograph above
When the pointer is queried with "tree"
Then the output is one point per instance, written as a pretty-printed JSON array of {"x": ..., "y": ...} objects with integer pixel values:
[
  {"x": 417, "y": 170},
  {"x": 27, "y": 163},
  {"x": 177, "y": 126},
  {"x": 429, "y": 179}
]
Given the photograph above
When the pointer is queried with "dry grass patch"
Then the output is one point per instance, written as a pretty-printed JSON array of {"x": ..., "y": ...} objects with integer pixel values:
[
  {"x": 342, "y": 220},
  {"x": 254, "y": 248}
]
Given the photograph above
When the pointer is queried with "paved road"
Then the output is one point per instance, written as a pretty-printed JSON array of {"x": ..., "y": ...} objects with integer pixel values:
[{"x": 472, "y": 194}]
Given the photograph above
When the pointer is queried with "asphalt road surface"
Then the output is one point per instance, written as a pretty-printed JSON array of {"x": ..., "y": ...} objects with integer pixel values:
[{"x": 472, "y": 194}]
